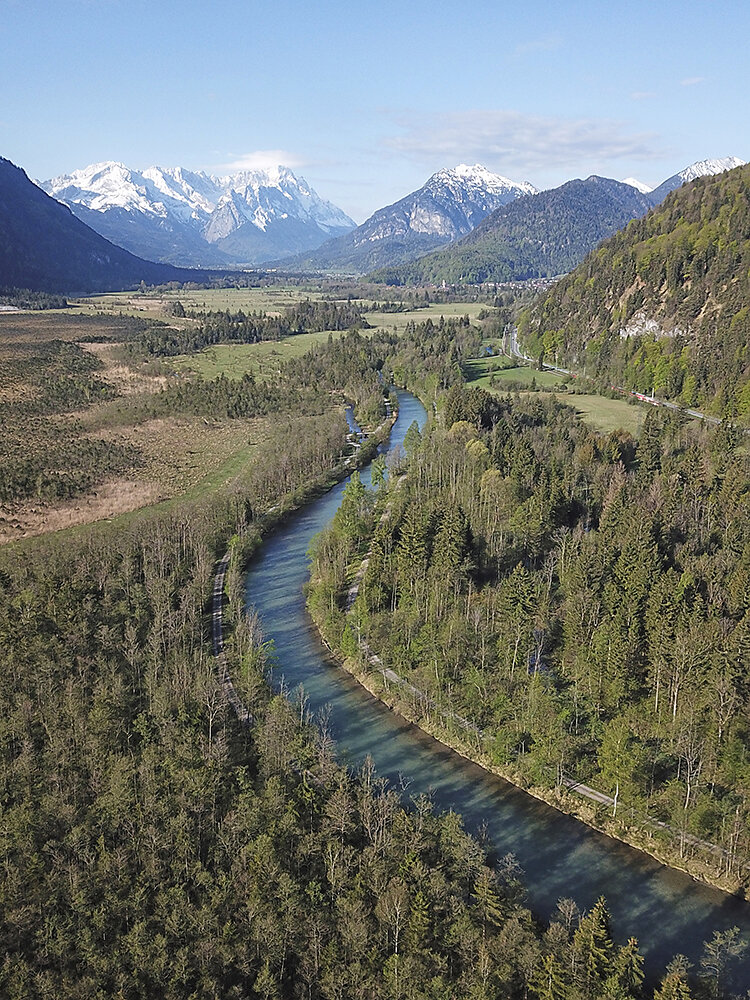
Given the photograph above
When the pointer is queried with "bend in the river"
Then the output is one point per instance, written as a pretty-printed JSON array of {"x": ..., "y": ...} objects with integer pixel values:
[{"x": 665, "y": 909}]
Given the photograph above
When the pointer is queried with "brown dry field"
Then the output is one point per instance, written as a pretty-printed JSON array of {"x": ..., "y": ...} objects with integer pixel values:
[
  {"x": 105, "y": 502},
  {"x": 126, "y": 381},
  {"x": 30, "y": 327},
  {"x": 180, "y": 455}
]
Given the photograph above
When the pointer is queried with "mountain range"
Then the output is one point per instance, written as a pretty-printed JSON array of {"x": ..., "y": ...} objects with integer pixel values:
[
  {"x": 448, "y": 206},
  {"x": 44, "y": 247},
  {"x": 703, "y": 168},
  {"x": 488, "y": 227},
  {"x": 544, "y": 234},
  {"x": 192, "y": 218}
]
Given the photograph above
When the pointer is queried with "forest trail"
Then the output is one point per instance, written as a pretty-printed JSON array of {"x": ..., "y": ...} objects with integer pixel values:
[{"x": 217, "y": 623}]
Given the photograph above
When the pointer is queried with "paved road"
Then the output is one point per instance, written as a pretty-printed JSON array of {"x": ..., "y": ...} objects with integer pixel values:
[{"x": 643, "y": 397}]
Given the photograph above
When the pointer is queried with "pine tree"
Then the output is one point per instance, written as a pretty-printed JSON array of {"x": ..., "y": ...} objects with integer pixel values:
[
  {"x": 592, "y": 951},
  {"x": 548, "y": 980}
]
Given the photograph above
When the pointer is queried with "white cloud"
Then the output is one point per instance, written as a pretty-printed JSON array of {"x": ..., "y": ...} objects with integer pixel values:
[
  {"x": 642, "y": 95},
  {"x": 519, "y": 142},
  {"x": 261, "y": 159},
  {"x": 691, "y": 81}
]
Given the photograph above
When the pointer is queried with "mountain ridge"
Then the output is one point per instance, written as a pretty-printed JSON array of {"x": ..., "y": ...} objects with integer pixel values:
[
  {"x": 44, "y": 247},
  {"x": 701, "y": 168},
  {"x": 448, "y": 205},
  {"x": 664, "y": 304},
  {"x": 540, "y": 235},
  {"x": 183, "y": 216},
  {"x": 546, "y": 234}
]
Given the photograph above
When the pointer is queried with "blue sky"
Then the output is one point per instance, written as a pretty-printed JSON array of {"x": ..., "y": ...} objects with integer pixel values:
[{"x": 367, "y": 100}]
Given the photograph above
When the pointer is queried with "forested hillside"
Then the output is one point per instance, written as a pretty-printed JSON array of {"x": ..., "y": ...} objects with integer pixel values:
[
  {"x": 584, "y": 600},
  {"x": 540, "y": 235},
  {"x": 663, "y": 305}
]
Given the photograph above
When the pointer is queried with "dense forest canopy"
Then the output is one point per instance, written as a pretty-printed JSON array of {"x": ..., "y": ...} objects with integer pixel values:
[
  {"x": 152, "y": 845},
  {"x": 583, "y": 600}
]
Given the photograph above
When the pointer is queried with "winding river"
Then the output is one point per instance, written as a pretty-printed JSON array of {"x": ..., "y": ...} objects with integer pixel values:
[{"x": 666, "y": 910}]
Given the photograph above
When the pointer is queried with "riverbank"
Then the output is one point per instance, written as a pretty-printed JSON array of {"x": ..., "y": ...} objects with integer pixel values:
[
  {"x": 666, "y": 910},
  {"x": 241, "y": 548},
  {"x": 465, "y": 739}
]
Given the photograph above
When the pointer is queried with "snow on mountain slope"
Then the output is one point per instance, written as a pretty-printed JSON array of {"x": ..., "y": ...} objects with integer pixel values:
[
  {"x": 447, "y": 206},
  {"x": 638, "y": 185},
  {"x": 464, "y": 180},
  {"x": 703, "y": 168},
  {"x": 172, "y": 210},
  {"x": 706, "y": 168}
]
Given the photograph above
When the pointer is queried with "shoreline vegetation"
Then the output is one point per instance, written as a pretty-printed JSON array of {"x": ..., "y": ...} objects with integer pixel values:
[
  {"x": 384, "y": 685},
  {"x": 680, "y": 850}
]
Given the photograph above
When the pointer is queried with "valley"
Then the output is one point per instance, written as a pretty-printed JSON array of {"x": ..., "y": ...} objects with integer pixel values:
[
  {"x": 99, "y": 451},
  {"x": 559, "y": 578},
  {"x": 374, "y": 501}
]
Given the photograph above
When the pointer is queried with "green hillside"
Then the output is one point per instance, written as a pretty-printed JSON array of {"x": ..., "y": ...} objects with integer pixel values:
[
  {"x": 663, "y": 305},
  {"x": 540, "y": 235}
]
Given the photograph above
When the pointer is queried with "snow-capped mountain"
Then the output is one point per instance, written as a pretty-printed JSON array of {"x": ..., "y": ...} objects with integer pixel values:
[
  {"x": 467, "y": 194},
  {"x": 703, "y": 168},
  {"x": 45, "y": 248},
  {"x": 182, "y": 216},
  {"x": 533, "y": 237},
  {"x": 449, "y": 205},
  {"x": 638, "y": 185},
  {"x": 706, "y": 168}
]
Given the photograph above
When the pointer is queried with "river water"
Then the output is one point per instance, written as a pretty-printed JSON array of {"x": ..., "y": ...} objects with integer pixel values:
[{"x": 666, "y": 910}]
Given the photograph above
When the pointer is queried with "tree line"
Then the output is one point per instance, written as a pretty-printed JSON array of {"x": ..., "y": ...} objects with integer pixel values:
[{"x": 309, "y": 316}]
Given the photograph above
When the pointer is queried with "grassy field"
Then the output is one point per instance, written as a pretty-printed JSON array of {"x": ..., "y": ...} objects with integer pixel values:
[
  {"x": 171, "y": 456},
  {"x": 606, "y": 415},
  {"x": 263, "y": 359},
  {"x": 271, "y": 299},
  {"x": 78, "y": 431},
  {"x": 398, "y": 321},
  {"x": 495, "y": 371},
  {"x": 235, "y": 360},
  {"x": 491, "y": 371}
]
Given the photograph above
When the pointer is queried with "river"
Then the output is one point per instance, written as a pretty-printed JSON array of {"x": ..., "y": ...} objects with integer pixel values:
[{"x": 666, "y": 910}]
